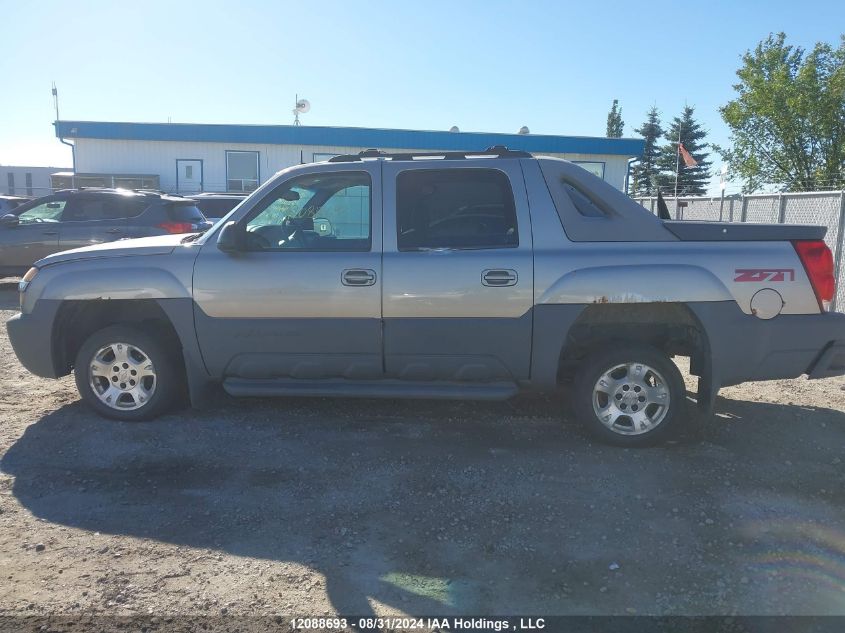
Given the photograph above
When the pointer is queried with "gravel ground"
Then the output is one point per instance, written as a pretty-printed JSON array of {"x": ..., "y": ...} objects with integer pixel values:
[{"x": 318, "y": 506}]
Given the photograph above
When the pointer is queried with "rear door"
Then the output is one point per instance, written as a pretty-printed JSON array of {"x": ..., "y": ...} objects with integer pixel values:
[
  {"x": 93, "y": 219},
  {"x": 458, "y": 271}
]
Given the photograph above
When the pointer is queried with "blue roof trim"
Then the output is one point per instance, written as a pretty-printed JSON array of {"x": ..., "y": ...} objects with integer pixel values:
[{"x": 346, "y": 137}]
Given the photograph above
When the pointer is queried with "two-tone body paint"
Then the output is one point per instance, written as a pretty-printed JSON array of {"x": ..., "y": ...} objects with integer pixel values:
[{"x": 428, "y": 315}]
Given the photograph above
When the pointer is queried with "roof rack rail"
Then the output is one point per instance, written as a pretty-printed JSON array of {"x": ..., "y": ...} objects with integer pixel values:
[{"x": 497, "y": 151}]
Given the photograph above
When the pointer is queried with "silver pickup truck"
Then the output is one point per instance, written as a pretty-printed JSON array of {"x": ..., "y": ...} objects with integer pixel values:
[{"x": 457, "y": 275}]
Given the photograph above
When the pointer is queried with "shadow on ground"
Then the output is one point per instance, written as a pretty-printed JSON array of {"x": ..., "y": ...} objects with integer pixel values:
[{"x": 494, "y": 508}]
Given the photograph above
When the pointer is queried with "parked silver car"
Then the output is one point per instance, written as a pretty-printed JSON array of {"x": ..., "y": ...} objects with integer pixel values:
[
  {"x": 448, "y": 276},
  {"x": 74, "y": 218}
]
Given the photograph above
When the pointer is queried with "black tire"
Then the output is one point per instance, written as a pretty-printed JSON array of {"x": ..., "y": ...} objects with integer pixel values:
[
  {"x": 624, "y": 432},
  {"x": 168, "y": 383}
]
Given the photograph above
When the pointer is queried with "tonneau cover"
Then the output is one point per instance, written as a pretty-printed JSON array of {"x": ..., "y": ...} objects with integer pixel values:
[{"x": 742, "y": 232}]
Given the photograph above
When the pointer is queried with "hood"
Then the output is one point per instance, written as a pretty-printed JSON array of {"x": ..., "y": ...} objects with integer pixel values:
[{"x": 156, "y": 245}]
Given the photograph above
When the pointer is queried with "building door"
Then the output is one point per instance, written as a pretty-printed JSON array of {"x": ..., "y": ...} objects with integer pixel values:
[{"x": 188, "y": 175}]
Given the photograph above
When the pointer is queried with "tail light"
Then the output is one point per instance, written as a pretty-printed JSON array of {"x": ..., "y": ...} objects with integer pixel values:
[
  {"x": 818, "y": 263},
  {"x": 178, "y": 227}
]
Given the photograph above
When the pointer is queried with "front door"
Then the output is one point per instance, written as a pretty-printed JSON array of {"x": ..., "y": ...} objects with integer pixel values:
[
  {"x": 35, "y": 236},
  {"x": 458, "y": 271},
  {"x": 188, "y": 175},
  {"x": 304, "y": 300}
]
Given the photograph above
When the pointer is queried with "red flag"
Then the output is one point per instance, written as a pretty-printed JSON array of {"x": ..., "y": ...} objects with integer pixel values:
[{"x": 689, "y": 161}]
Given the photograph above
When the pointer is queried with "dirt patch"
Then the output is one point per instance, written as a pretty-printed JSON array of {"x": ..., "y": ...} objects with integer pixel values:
[{"x": 318, "y": 506}]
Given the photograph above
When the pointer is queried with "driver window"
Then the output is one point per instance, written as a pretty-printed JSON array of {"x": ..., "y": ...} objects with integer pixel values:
[
  {"x": 316, "y": 212},
  {"x": 47, "y": 212}
]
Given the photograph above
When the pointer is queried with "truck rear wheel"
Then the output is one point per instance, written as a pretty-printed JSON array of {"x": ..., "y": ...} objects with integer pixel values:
[
  {"x": 126, "y": 374},
  {"x": 630, "y": 395}
]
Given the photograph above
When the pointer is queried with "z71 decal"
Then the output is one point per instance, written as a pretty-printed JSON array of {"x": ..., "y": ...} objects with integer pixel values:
[{"x": 764, "y": 274}]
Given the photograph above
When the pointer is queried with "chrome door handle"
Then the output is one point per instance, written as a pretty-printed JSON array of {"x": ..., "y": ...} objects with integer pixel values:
[
  {"x": 114, "y": 231},
  {"x": 51, "y": 232},
  {"x": 497, "y": 277},
  {"x": 358, "y": 277}
]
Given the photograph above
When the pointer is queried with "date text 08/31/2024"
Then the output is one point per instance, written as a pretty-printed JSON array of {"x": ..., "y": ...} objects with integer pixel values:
[{"x": 409, "y": 623}]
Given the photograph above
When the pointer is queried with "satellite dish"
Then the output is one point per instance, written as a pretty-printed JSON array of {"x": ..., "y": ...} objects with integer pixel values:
[
  {"x": 302, "y": 106},
  {"x": 454, "y": 128},
  {"x": 524, "y": 130}
]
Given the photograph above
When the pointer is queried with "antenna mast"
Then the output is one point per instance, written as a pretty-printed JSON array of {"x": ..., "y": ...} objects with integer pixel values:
[{"x": 56, "y": 100}]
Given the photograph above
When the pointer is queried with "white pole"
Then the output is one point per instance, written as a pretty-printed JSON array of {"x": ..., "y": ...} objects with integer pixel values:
[{"x": 677, "y": 169}]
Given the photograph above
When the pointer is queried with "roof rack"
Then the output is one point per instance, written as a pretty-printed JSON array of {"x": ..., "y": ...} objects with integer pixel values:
[{"x": 497, "y": 151}]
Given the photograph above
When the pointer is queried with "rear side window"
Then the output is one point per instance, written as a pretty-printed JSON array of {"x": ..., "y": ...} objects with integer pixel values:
[
  {"x": 103, "y": 208},
  {"x": 217, "y": 208},
  {"x": 455, "y": 208},
  {"x": 184, "y": 213}
]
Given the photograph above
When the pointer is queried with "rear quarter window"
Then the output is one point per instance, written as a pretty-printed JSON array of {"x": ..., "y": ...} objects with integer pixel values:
[{"x": 184, "y": 213}]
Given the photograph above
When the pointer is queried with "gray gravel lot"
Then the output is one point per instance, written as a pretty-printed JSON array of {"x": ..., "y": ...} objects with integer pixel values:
[{"x": 317, "y": 506}]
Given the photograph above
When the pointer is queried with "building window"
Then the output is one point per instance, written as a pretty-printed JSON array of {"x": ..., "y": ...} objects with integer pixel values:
[
  {"x": 189, "y": 172},
  {"x": 594, "y": 167},
  {"x": 455, "y": 208},
  {"x": 241, "y": 171},
  {"x": 10, "y": 180},
  {"x": 28, "y": 183}
]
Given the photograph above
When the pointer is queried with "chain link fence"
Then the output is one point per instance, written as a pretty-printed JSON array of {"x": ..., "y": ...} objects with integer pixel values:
[{"x": 826, "y": 208}]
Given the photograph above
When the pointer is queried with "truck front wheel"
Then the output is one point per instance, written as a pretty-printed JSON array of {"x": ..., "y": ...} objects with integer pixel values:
[
  {"x": 124, "y": 373},
  {"x": 629, "y": 395}
]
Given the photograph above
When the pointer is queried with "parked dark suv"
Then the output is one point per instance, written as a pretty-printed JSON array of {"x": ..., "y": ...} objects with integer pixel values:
[{"x": 82, "y": 217}]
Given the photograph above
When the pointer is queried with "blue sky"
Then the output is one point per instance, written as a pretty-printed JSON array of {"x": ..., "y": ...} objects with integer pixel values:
[{"x": 481, "y": 65}]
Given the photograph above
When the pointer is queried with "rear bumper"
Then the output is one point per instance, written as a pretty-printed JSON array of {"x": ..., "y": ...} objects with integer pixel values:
[
  {"x": 744, "y": 348},
  {"x": 31, "y": 338},
  {"x": 831, "y": 361}
]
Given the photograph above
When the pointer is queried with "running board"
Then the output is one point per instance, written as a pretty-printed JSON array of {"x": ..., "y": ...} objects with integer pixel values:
[{"x": 440, "y": 390}]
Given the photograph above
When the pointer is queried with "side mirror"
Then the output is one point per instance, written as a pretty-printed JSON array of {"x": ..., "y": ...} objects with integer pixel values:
[
  {"x": 323, "y": 226},
  {"x": 9, "y": 220},
  {"x": 232, "y": 238}
]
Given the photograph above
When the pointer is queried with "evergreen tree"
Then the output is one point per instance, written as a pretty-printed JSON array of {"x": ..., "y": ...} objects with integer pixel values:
[
  {"x": 646, "y": 172},
  {"x": 692, "y": 181},
  {"x": 615, "y": 124}
]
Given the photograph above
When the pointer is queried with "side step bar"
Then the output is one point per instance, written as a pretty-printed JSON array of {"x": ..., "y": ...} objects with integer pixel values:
[{"x": 369, "y": 388}]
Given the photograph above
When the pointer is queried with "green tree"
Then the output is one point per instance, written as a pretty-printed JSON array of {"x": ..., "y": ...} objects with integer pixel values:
[
  {"x": 644, "y": 174},
  {"x": 788, "y": 120},
  {"x": 615, "y": 124},
  {"x": 692, "y": 181}
]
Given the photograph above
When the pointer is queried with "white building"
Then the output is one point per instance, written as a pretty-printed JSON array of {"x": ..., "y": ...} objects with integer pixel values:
[
  {"x": 188, "y": 158},
  {"x": 27, "y": 181}
]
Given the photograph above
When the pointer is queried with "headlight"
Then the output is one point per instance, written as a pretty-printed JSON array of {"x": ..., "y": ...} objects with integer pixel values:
[{"x": 29, "y": 276}]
